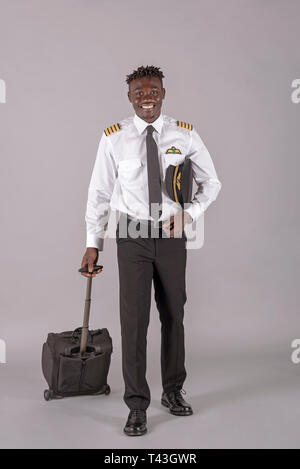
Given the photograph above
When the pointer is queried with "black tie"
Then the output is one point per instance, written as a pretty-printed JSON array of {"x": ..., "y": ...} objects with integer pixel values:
[{"x": 154, "y": 184}]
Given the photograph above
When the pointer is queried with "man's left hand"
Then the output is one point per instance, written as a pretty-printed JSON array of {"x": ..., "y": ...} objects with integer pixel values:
[{"x": 175, "y": 225}]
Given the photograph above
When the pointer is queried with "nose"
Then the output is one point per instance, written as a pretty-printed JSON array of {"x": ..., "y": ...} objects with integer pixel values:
[{"x": 147, "y": 98}]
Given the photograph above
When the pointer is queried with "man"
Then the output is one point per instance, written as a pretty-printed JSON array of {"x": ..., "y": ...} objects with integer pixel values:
[{"x": 129, "y": 176}]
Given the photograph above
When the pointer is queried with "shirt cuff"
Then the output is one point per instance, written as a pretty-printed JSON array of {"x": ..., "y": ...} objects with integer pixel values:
[
  {"x": 93, "y": 241},
  {"x": 194, "y": 210}
]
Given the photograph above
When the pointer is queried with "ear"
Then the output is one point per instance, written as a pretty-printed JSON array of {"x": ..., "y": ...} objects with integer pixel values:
[
  {"x": 129, "y": 97},
  {"x": 163, "y": 93}
]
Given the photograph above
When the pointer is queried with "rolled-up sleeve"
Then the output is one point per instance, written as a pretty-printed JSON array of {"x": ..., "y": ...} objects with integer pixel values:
[
  {"x": 99, "y": 194},
  {"x": 205, "y": 176}
]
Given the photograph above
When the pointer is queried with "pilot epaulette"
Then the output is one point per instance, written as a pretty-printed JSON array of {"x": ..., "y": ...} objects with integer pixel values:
[
  {"x": 113, "y": 128},
  {"x": 185, "y": 125}
]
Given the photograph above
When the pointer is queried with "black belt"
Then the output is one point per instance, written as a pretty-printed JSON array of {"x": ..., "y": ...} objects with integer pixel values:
[
  {"x": 152, "y": 226},
  {"x": 142, "y": 221}
]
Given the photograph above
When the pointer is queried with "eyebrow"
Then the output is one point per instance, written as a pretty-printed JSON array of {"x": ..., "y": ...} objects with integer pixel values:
[{"x": 153, "y": 87}]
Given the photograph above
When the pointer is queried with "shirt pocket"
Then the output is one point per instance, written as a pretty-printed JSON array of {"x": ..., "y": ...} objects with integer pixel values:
[
  {"x": 172, "y": 159},
  {"x": 130, "y": 172}
]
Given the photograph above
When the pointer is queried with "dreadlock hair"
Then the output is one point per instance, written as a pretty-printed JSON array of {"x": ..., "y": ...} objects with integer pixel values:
[{"x": 148, "y": 71}]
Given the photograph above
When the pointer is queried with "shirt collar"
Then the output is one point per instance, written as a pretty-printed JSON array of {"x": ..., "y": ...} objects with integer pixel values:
[{"x": 141, "y": 124}]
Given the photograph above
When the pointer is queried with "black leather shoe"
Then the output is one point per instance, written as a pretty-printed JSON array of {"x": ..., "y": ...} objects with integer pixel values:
[
  {"x": 175, "y": 402},
  {"x": 136, "y": 423}
]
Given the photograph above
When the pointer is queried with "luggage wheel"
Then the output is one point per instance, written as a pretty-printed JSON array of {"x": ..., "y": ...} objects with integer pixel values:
[{"x": 49, "y": 395}]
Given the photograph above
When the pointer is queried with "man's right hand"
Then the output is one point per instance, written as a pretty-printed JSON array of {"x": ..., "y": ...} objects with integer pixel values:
[{"x": 90, "y": 259}]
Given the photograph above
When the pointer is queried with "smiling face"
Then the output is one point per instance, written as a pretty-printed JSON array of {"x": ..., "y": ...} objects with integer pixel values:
[{"x": 146, "y": 95}]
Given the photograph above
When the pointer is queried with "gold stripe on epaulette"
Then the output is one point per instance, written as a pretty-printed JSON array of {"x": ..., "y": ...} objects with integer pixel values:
[
  {"x": 113, "y": 128},
  {"x": 185, "y": 125}
]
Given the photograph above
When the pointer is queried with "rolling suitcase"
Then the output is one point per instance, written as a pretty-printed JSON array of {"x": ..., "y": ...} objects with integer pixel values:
[{"x": 77, "y": 362}]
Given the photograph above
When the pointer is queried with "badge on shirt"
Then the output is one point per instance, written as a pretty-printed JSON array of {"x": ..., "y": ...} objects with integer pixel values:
[{"x": 173, "y": 150}]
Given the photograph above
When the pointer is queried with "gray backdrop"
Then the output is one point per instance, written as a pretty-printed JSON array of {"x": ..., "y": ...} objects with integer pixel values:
[{"x": 229, "y": 68}]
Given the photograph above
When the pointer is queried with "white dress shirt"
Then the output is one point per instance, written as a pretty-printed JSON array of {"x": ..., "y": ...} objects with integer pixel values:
[{"x": 119, "y": 179}]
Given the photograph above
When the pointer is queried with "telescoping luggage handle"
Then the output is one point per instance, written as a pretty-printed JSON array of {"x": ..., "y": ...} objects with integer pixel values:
[{"x": 86, "y": 318}]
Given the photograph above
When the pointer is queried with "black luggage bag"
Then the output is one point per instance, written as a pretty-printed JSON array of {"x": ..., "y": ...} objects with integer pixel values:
[{"x": 77, "y": 362}]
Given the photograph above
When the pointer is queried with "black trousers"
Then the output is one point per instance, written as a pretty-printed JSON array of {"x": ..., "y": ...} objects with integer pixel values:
[{"x": 140, "y": 261}]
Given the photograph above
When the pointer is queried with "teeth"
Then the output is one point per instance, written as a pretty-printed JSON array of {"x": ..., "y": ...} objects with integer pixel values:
[{"x": 147, "y": 106}]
